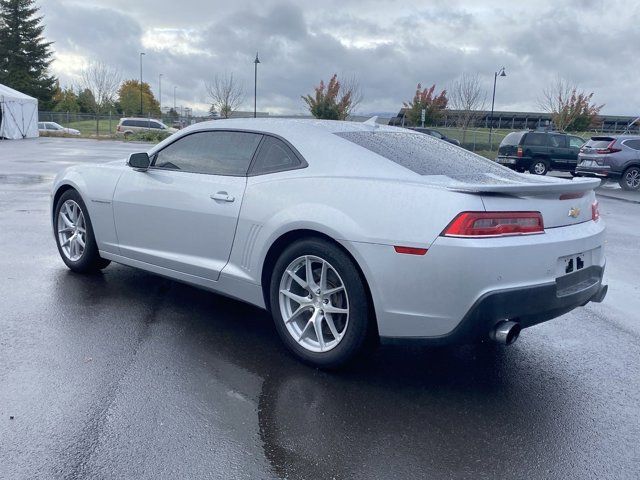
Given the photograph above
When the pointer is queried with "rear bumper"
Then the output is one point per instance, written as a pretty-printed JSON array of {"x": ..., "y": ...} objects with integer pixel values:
[
  {"x": 599, "y": 171},
  {"x": 528, "y": 306},
  {"x": 514, "y": 162}
]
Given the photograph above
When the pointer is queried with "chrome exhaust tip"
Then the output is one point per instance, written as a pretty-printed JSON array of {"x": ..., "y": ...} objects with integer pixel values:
[{"x": 506, "y": 332}]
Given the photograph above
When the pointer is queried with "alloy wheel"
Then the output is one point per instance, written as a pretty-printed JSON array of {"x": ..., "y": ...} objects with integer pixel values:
[
  {"x": 539, "y": 168},
  {"x": 632, "y": 178},
  {"x": 72, "y": 230},
  {"x": 314, "y": 303}
]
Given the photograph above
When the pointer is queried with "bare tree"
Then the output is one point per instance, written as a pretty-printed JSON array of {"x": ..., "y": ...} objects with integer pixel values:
[
  {"x": 103, "y": 82},
  {"x": 225, "y": 93},
  {"x": 569, "y": 109},
  {"x": 468, "y": 97},
  {"x": 350, "y": 85}
]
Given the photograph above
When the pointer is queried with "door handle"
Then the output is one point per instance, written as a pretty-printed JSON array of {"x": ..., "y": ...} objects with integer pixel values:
[{"x": 222, "y": 197}]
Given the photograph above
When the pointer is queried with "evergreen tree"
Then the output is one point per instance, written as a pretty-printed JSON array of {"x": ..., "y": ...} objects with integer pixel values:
[{"x": 24, "y": 54}]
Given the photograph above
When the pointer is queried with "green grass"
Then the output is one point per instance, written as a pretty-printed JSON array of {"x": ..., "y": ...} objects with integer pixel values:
[{"x": 88, "y": 127}]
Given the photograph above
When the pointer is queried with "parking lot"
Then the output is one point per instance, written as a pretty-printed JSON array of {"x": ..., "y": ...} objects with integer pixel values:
[{"x": 129, "y": 375}]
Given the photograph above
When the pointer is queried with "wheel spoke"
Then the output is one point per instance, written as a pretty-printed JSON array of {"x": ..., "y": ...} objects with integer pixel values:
[
  {"x": 332, "y": 327},
  {"x": 306, "y": 327},
  {"x": 66, "y": 242},
  {"x": 309, "y": 273},
  {"x": 80, "y": 240},
  {"x": 67, "y": 221},
  {"x": 317, "y": 325},
  {"x": 296, "y": 298},
  {"x": 332, "y": 309},
  {"x": 323, "y": 276},
  {"x": 296, "y": 314},
  {"x": 65, "y": 230},
  {"x": 297, "y": 279},
  {"x": 331, "y": 291}
]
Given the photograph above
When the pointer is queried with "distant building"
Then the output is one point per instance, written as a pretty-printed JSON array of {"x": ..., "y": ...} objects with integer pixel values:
[{"x": 519, "y": 120}]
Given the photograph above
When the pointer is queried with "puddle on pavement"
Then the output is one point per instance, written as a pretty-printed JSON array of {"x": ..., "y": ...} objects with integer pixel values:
[{"x": 23, "y": 179}]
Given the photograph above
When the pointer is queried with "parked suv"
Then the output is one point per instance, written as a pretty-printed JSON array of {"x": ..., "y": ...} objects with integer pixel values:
[
  {"x": 539, "y": 152},
  {"x": 129, "y": 126},
  {"x": 437, "y": 134},
  {"x": 616, "y": 157}
]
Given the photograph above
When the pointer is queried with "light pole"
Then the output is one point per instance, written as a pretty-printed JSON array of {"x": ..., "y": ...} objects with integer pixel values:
[
  {"x": 499, "y": 73},
  {"x": 141, "y": 54},
  {"x": 174, "y": 98},
  {"x": 255, "y": 85},
  {"x": 160, "y": 94}
]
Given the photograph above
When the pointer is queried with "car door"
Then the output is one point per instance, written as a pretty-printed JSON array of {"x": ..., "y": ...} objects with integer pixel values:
[
  {"x": 182, "y": 213},
  {"x": 558, "y": 151}
]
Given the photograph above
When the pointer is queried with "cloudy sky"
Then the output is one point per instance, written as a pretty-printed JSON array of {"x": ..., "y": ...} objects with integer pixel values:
[{"x": 389, "y": 45}]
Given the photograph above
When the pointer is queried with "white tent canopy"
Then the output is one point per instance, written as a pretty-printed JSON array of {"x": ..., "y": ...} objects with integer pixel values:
[{"x": 18, "y": 114}]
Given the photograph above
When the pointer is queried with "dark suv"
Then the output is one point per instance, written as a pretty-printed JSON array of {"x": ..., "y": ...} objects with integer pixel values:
[
  {"x": 539, "y": 152},
  {"x": 616, "y": 157}
]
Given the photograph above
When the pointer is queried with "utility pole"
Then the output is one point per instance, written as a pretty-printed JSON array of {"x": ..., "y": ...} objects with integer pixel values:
[
  {"x": 160, "y": 94},
  {"x": 255, "y": 86},
  {"x": 141, "y": 54},
  {"x": 500, "y": 73}
]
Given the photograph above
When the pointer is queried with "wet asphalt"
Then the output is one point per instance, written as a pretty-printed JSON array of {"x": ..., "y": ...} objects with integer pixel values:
[{"x": 129, "y": 375}]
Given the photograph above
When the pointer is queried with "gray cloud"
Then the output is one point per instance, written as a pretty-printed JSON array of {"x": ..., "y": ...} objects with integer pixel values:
[{"x": 389, "y": 45}]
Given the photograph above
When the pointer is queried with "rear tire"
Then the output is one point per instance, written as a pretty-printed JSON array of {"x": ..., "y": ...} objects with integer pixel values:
[
  {"x": 630, "y": 179},
  {"x": 328, "y": 323},
  {"x": 72, "y": 228},
  {"x": 539, "y": 167}
]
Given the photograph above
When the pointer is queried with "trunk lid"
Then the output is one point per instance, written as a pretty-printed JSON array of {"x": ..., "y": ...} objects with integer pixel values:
[
  {"x": 561, "y": 202},
  {"x": 557, "y": 210}
]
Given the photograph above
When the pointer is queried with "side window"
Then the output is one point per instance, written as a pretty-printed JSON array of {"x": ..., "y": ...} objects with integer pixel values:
[
  {"x": 635, "y": 144},
  {"x": 126, "y": 123},
  {"x": 536, "y": 139},
  {"x": 156, "y": 125},
  {"x": 141, "y": 123},
  {"x": 575, "y": 142},
  {"x": 436, "y": 134},
  {"x": 213, "y": 153},
  {"x": 41, "y": 126},
  {"x": 558, "y": 141},
  {"x": 274, "y": 156}
]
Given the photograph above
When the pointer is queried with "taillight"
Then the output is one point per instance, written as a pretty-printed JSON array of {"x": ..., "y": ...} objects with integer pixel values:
[
  {"x": 595, "y": 211},
  {"x": 119, "y": 128},
  {"x": 520, "y": 152},
  {"x": 494, "y": 224},
  {"x": 609, "y": 149}
]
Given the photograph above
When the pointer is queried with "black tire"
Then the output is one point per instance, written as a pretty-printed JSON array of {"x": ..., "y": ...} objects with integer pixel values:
[
  {"x": 539, "y": 166},
  {"x": 574, "y": 174},
  {"x": 630, "y": 179},
  {"x": 90, "y": 261},
  {"x": 358, "y": 324}
]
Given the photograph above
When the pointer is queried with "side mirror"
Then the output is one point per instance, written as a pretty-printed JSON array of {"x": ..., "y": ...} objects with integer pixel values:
[{"x": 139, "y": 161}]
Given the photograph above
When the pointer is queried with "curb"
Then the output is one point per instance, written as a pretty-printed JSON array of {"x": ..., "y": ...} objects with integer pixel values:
[{"x": 617, "y": 198}]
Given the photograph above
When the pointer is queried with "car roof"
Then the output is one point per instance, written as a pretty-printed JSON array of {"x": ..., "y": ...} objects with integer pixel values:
[{"x": 140, "y": 118}]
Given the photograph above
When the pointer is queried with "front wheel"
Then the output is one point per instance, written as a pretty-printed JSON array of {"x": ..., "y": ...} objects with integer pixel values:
[
  {"x": 74, "y": 235},
  {"x": 539, "y": 167},
  {"x": 630, "y": 179},
  {"x": 319, "y": 303}
]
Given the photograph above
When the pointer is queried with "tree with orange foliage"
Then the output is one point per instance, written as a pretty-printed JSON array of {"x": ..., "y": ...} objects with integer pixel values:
[
  {"x": 570, "y": 110},
  {"x": 335, "y": 100},
  {"x": 426, "y": 99}
]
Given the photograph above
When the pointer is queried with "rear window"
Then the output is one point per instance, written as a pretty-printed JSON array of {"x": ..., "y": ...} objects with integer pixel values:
[
  {"x": 512, "y": 139},
  {"x": 599, "y": 142},
  {"x": 537, "y": 139},
  {"x": 423, "y": 154}
]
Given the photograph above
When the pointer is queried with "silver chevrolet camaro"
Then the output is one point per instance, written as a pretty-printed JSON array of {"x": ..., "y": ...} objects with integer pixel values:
[{"x": 345, "y": 232}]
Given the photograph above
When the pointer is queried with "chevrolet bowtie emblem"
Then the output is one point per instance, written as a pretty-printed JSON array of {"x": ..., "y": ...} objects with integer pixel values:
[{"x": 574, "y": 212}]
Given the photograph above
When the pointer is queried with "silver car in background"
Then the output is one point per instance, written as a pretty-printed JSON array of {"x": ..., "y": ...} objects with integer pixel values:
[
  {"x": 615, "y": 157},
  {"x": 344, "y": 231}
]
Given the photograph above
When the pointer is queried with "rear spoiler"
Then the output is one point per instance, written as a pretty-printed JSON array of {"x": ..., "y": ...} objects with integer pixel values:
[{"x": 526, "y": 188}]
